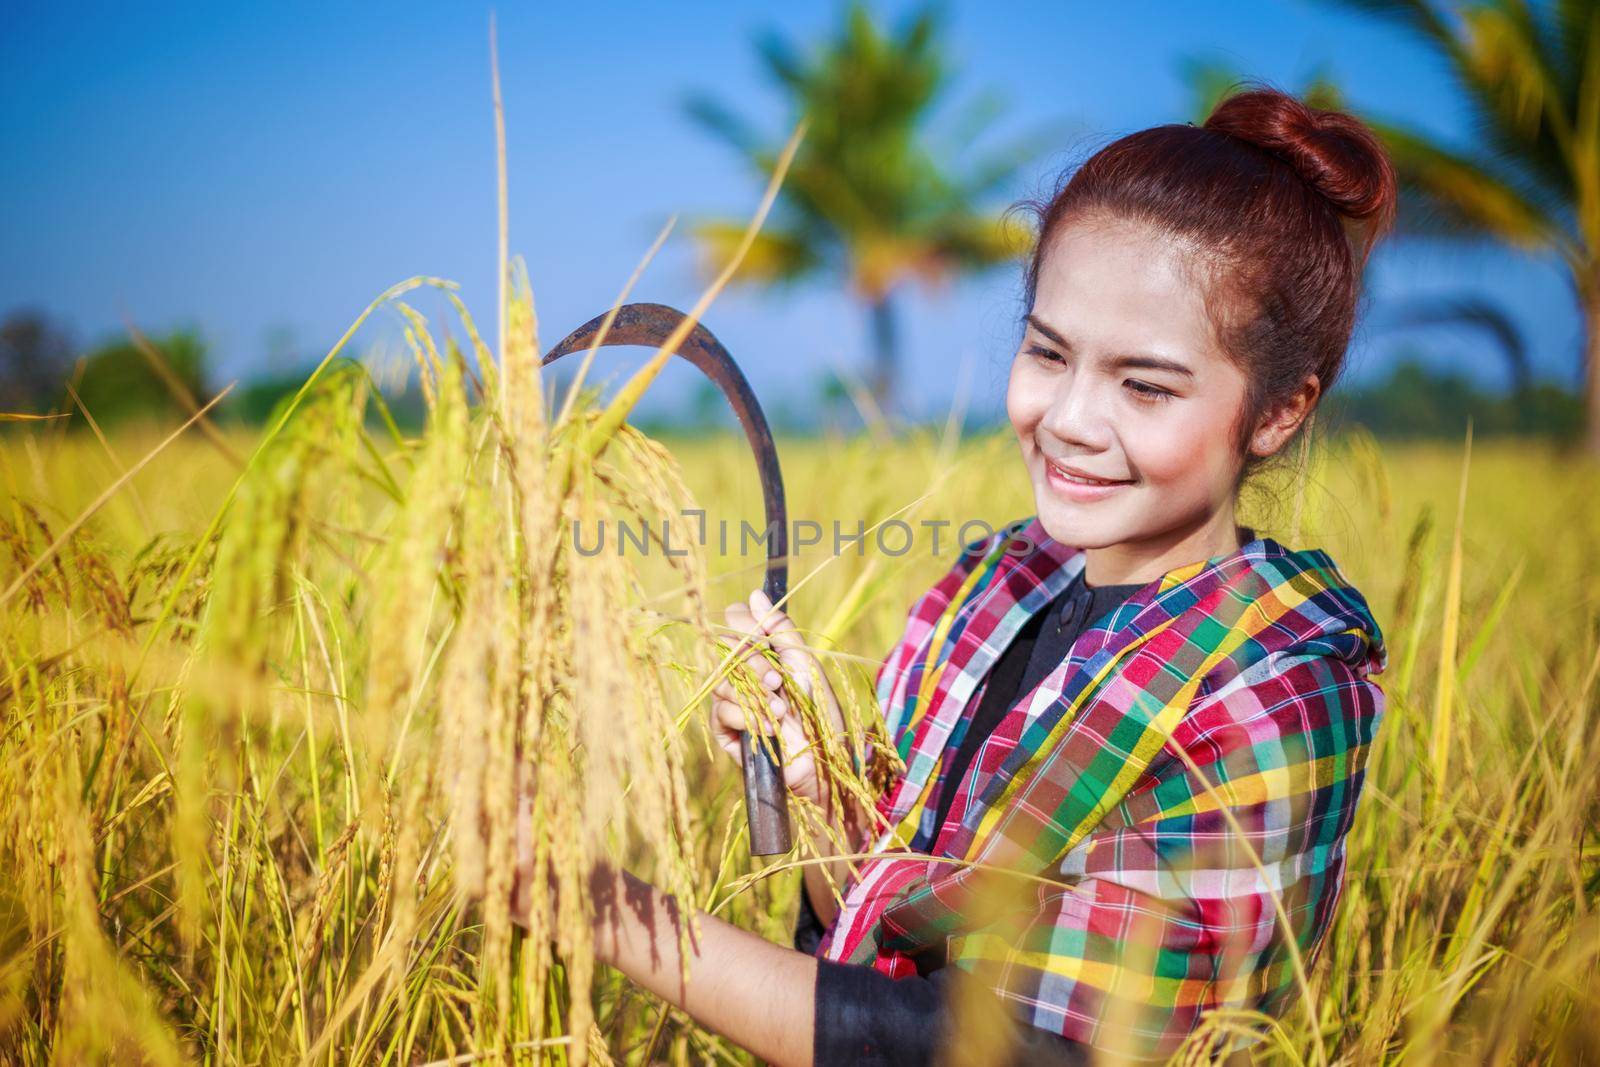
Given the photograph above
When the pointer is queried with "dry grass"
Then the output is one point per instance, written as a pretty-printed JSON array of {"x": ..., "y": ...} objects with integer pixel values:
[{"x": 263, "y": 728}]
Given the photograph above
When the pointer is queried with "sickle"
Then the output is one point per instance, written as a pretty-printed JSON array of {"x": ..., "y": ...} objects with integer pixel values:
[{"x": 649, "y": 325}]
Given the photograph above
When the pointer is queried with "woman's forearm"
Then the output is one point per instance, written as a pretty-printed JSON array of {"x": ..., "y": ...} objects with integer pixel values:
[
  {"x": 756, "y": 994},
  {"x": 820, "y": 893},
  {"x": 816, "y": 881}
]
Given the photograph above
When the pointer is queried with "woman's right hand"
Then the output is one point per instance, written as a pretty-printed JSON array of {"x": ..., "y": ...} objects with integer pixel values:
[{"x": 772, "y": 628}]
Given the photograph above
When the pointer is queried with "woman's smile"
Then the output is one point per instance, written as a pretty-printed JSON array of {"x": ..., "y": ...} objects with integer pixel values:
[
  {"x": 1073, "y": 486},
  {"x": 1143, "y": 485}
]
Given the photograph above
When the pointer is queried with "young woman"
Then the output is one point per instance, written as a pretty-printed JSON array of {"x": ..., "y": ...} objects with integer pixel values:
[{"x": 1160, "y": 716}]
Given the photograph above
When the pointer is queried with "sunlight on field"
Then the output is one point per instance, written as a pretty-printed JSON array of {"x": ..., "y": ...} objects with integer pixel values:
[{"x": 206, "y": 863}]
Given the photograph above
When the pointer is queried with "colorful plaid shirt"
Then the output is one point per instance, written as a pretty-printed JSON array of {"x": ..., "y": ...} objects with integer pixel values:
[{"x": 1192, "y": 767}]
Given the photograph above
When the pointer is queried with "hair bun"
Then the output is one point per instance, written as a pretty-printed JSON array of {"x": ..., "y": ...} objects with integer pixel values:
[{"x": 1333, "y": 151}]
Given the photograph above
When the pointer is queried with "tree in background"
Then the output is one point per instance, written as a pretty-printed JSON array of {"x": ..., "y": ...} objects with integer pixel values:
[
  {"x": 1530, "y": 73},
  {"x": 35, "y": 359},
  {"x": 1210, "y": 81},
  {"x": 873, "y": 197},
  {"x": 115, "y": 381},
  {"x": 1415, "y": 402},
  {"x": 1484, "y": 317},
  {"x": 119, "y": 381}
]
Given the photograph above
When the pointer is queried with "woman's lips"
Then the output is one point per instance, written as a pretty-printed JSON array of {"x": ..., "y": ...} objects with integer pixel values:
[{"x": 1079, "y": 492}]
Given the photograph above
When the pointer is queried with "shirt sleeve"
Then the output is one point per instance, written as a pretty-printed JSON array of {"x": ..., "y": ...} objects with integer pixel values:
[
  {"x": 864, "y": 1018},
  {"x": 1172, "y": 906},
  {"x": 900, "y": 672}
]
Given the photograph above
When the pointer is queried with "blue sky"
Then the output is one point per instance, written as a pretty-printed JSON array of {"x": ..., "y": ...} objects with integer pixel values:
[{"x": 262, "y": 172}]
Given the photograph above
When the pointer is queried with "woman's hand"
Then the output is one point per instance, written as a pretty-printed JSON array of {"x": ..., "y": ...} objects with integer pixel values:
[
  {"x": 774, "y": 629},
  {"x": 754, "y": 993}
]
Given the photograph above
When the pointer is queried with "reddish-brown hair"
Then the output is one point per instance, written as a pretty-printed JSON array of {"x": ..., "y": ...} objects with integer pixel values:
[{"x": 1280, "y": 202}]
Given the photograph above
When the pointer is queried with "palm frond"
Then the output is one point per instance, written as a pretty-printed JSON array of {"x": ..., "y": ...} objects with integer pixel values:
[
  {"x": 1511, "y": 74},
  {"x": 782, "y": 59},
  {"x": 1471, "y": 191},
  {"x": 1574, "y": 25},
  {"x": 998, "y": 168},
  {"x": 920, "y": 28},
  {"x": 1209, "y": 80},
  {"x": 778, "y": 256},
  {"x": 1471, "y": 311},
  {"x": 718, "y": 119},
  {"x": 1417, "y": 16},
  {"x": 979, "y": 241}
]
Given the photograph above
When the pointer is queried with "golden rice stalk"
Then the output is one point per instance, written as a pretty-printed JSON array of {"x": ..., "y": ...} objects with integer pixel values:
[{"x": 1444, "y": 696}]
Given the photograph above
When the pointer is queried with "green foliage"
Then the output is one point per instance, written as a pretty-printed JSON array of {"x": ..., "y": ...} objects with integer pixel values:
[
  {"x": 1529, "y": 75},
  {"x": 119, "y": 381},
  {"x": 880, "y": 193},
  {"x": 253, "y": 401},
  {"x": 35, "y": 358},
  {"x": 1465, "y": 932},
  {"x": 256, "y": 401},
  {"x": 1416, "y": 402}
]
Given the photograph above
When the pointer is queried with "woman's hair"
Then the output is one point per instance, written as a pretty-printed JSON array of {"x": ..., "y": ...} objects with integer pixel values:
[{"x": 1279, "y": 202}]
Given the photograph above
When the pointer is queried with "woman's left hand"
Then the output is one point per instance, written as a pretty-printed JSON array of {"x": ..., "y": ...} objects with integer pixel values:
[{"x": 757, "y": 994}]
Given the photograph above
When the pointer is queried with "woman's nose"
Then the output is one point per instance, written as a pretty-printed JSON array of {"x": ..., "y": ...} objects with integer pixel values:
[{"x": 1078, "y": 414}]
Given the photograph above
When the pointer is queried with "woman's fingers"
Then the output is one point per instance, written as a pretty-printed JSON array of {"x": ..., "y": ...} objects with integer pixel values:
[
  {"x": 727, "y": 716},
  {"x": 729, "y": 719},
  {"x": 795, "y": 655},
  {"x": 785, "y": 638},
  {"x": 740, "y": 619},
  {"x": 793, "y": 735},
  {"x": 799, "y": 761}
]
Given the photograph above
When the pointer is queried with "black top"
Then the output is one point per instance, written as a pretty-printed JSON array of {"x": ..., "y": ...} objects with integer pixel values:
[{"x": 862, "y": 1015}]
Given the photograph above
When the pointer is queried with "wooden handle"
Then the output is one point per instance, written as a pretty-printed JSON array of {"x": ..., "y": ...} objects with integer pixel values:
[
  {"x": 766, "y": 800},
  {"x": 652, "y": 325}
]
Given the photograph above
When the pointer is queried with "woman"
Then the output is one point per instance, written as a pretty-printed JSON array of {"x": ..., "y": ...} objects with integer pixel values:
[{"x": 1156, "y": 716}]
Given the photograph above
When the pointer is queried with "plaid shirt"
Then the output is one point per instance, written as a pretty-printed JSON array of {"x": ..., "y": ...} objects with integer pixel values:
[{"x": 1152, "y": 908}]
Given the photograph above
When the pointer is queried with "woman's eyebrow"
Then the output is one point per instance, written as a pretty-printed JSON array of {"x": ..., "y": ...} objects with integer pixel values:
[
  {"x": 1139, "y": 361},
  {"x": 1038, "y": 324}
]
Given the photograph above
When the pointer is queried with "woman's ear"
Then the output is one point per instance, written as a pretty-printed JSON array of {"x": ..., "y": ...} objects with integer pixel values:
[{"x": 1283, "y": 419}]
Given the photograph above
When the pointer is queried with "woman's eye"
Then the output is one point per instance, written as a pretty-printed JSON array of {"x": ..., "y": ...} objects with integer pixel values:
[
  {"x": 1148, "y": 392},
  {"x": 1045, "y": 353}
]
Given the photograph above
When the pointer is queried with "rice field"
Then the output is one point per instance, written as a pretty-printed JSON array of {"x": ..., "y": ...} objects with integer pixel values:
[{"x": 270, "y": 699}]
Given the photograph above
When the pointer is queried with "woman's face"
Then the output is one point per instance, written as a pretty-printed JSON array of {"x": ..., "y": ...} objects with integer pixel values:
[{"x": 1119, "y": 377}]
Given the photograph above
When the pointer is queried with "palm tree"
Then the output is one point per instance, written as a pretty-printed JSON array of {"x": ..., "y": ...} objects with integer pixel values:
[
  {"x": 872, "y": 197},
  {"x": 1211, "y": 80},
  {"x": 1531, "y": 75}
]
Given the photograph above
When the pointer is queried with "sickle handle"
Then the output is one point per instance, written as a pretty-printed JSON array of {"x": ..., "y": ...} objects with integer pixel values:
[{"x": 766, "y": 800}]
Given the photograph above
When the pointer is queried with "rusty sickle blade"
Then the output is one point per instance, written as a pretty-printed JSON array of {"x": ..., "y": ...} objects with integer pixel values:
[{"x": 649, "y": 326}]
